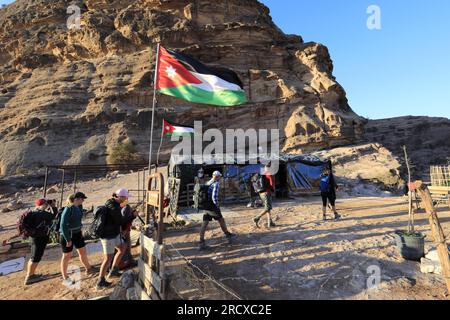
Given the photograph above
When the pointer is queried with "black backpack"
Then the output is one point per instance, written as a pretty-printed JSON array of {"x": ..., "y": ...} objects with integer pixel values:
[
  {"x": 259, "y": 183},
  {"x": 202, "y": 200},
  {"x": 97, "y": 227},
  {"x": 56, "y": 225}
]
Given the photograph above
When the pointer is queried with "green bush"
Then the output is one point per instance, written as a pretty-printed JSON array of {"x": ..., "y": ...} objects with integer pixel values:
[{"x": 123, "y": 154}]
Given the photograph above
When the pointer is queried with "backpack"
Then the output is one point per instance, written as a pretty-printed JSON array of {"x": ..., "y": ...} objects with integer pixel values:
[
  {"x": 97, "y": 227},
  {"x": 202, "y": 199},
  {"x": 27, "y": 228},
  {"x": 56, "y": 225},
  {"x": 259, "y": 183},
  {"x": 325, "y": 184}
]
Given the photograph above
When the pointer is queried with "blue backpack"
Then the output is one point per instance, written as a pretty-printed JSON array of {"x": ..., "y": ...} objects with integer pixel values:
[{"x": 325, "y": 184}]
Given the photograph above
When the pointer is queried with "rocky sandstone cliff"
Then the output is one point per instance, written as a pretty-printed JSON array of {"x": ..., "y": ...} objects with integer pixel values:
[{"x": 69, "y": 96}]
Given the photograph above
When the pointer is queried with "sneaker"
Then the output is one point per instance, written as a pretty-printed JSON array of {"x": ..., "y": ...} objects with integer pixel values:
[
  {"x": 114, "y": 273},
  {"x": 324, "y": 217},
  {"x": 337, "y": 216},
  {"x": 202, "y": 245},
  {"x": 272, "y": 224},
  {"x": 33, "y": 279},
  {"x": 103, "y": 284},
  {"x": 256, "y": 221},
  {"x": 68, "y": 282}
]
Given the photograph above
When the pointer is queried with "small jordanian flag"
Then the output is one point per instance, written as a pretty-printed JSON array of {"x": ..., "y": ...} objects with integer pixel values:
[
  {"x": 186, "y": 78},
  {"x": 170, "y": 130}
]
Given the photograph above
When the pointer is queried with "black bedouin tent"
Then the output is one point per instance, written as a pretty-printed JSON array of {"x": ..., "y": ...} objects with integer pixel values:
[{"x": 297, "y": 174}]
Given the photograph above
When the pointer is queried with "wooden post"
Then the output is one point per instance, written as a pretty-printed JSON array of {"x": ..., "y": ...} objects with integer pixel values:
[
  {"x": 45, "y": 182},
  {"x": 436, "y": 229}
]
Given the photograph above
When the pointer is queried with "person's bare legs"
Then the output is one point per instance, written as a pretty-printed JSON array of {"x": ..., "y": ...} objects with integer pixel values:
[
  {"x": 118, "y": 256},
  {"x": 65, "y": 264},
  {"x": 223, "y": 225},
  {"x": 31, "y": 268},
  {"x": 82, "y": 255},
  {"x": 105, "y": 264},
  {"x": 203, "y": 230},
  {"x": 269, "y": 220}
]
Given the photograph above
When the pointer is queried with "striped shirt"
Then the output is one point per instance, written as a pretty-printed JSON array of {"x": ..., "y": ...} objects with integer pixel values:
[{"x": 213, "y": 192}]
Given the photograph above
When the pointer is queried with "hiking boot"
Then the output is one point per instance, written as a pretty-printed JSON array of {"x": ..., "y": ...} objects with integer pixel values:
[
  {"x": 103, "y": 284},
  {"x": 33, "y": 279},
  {"x": 202, "y": 245},
  {"x": 256, "y": 221},
  {"x": 114, "y": 273},
  {"x": 230, "y": 236},
  {"x": 68, "y": 282}
]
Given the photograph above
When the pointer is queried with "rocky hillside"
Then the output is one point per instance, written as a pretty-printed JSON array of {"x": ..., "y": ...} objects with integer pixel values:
[
  {"x": 427, "y": 141},
  {"x": 70, "y": 96}
]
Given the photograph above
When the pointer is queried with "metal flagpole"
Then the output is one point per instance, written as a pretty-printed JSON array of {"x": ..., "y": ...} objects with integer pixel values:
[
  {"x": 160, "y": 144},
  {"x": 155, "y": 81}
]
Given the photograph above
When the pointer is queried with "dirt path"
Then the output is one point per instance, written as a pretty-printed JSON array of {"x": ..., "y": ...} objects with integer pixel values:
[
  {"x": 301, "y": 258},
  {"x": 305, "y": 259}
]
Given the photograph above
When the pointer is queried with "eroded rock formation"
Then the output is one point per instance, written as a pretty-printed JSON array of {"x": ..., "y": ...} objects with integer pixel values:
[{"x": 69, "y": 96}]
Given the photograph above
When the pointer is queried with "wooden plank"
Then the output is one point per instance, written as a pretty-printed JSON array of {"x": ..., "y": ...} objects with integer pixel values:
[
  {"x": 439, "y": 190},
  {"x": 436, "y": 229},
  {"x": 146, "y": 274},
  {"x": 151, "y": 246},
  {"x": 153, "y": 198},
  {"x": 140, "y": 292}
]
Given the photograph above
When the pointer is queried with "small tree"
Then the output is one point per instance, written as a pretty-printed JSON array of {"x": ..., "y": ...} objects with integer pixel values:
[{"x": 123, "y": 154}]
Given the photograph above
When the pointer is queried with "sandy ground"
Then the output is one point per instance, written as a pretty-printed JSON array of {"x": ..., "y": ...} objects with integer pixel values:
[{"x": 301, "y": 258}]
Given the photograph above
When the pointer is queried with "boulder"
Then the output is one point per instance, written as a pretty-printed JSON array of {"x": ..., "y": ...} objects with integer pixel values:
[
  {"x": 15, "y": 205},
  {"x": 126, "y": 282}
]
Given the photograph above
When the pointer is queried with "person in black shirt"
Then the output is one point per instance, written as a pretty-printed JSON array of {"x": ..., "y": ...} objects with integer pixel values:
[
  {"x": 112, "y": 239},
  {"x": 42, "y": 219}
]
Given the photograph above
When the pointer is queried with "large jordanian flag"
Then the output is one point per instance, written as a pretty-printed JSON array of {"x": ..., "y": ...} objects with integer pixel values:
[{"x": 186, "y": 78}]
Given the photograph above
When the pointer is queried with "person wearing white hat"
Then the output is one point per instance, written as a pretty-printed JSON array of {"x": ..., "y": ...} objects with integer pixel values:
[
  {"x": 214, "y": 213},
  {"x": 112, "y": 238}
]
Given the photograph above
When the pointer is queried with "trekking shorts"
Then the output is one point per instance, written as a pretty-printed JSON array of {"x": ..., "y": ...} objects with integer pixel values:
[
  {"x": 214, "y": 214},
  {"x": 328, "y": 196},
  {"x": 77, "y": 241},
  {"x": 266, "y": 199},
  {"x": 109, "y": 245},
  {"x": 38, "y": 246}
]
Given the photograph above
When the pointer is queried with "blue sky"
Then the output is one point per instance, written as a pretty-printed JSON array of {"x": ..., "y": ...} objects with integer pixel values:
[{"x": 402, "y": 69}]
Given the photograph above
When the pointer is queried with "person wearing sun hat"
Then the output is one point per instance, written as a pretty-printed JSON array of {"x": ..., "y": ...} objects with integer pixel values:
[{"x": 41, "y": 218}]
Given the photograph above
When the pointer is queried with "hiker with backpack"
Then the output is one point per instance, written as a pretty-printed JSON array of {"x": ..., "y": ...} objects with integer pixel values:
[
  {"x": 328, "y": 189},
  {"x": 36, "y": 225},
  {"x": 72, "y": 236},
  {"x": 209, "y": 202},
  {"x": 264, "y": 185},
  {"x": 112, "y": 238},
  {"x": 128, "y": 216}
]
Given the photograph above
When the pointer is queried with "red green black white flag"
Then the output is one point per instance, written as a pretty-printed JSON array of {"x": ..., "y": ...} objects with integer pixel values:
[
  {"x": 171, "y": 130},
  {"x": 181, "y": 76}
]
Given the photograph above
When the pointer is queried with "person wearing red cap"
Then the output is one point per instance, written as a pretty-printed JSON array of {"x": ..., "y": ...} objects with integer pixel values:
[{"x": 41, "y": 220}]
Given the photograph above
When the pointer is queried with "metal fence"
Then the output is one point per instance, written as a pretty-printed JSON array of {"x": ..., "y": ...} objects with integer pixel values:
[{"x": 440, "y": 176}]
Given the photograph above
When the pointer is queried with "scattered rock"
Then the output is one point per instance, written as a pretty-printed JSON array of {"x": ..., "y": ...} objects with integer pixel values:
[
  {"x": 15, "y": 205},
  {"x": 5, "y": 210},
  {"x": 430, "y": 266},
  {"x": 53, "y": 189},
  {"x": 126, "y": 282},
  {"x": 30, "y": 189}
]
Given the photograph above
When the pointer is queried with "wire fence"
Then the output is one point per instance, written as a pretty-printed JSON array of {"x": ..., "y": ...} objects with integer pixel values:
[{"x": 440, "y": 176}]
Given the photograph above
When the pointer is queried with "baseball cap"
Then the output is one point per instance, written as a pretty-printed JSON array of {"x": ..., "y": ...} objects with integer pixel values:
[
  {"x": 217, "y": 174},
  {"x": 79, "y": 195},
  {"x": 40, "y": 202},
  {"x": 123, "y": 193}
]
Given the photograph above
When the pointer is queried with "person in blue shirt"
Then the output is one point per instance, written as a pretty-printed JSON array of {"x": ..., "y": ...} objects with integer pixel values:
[
  {"x": 72, "y": 236},
  {"x": 214, "y": 213},
  {"x": 328, "y": 188}
]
